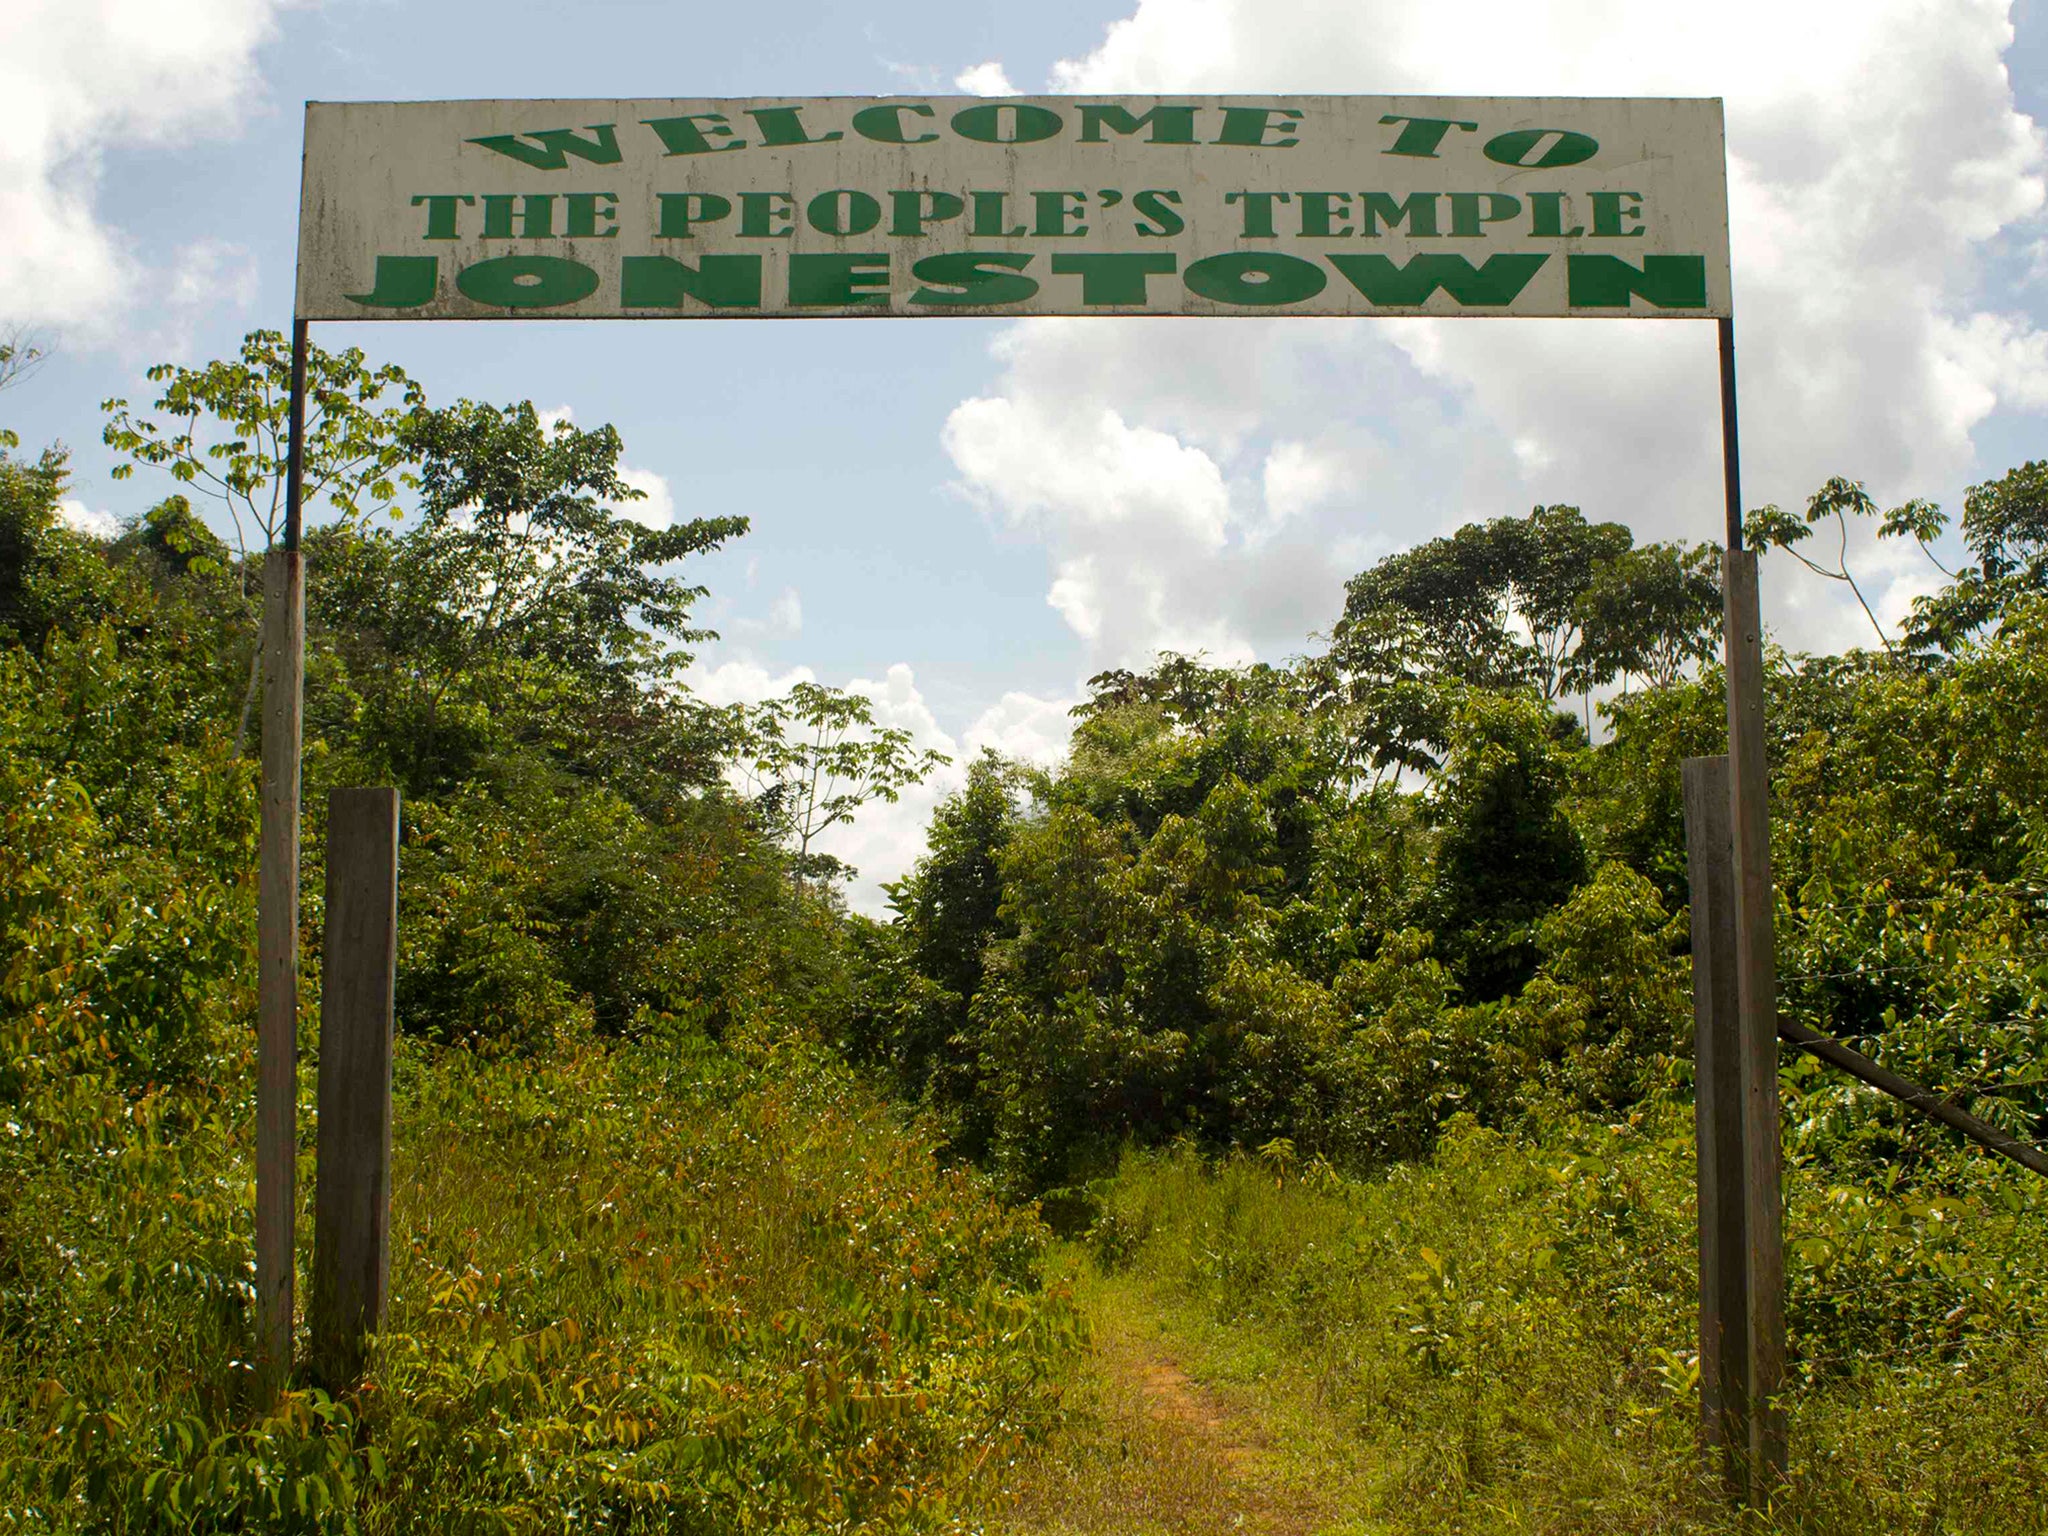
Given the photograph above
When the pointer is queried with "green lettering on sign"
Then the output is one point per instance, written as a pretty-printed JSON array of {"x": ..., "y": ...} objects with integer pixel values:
[
  {"x": 1169, "y": 125},
  {"x": 1157, "y": 219},
  {"x": 661, "y": 282},
  {"x": 441, "y": 213},
  {"x": 885, "y": 124},
  {"x": 1258, "y": 212},
  {"x": 1557, "y": 145},
  {"x": 1388, "y": 286},
  {"x": 527, "y": 282},
  {"x": 555, "y": 145},
  {"x": 974, "y": 278},
  {"x": 912, "y": 213},
  {"x": 1419, "y": 211},
  {"x": 403, "y": 282},
  {"x": 782, "y": 126},
  {"x": 1472, "y": 211},
  {"x": 1262, "y": 278},
  {"x": 682, "y": 136},
  {"x": 683, "y": 211},
  {"x": 536, "y": 216},
  {"x": 760, "y": 210},
  {"x": 1609, "y": 211},
  {"x": 843, "y": 212},
  {"x": 1248, "y": 126},
  {"x": 1320, "y": 212},
  {"x": 838, "y": 280},
  {"x": 584, "y": 214},
  {"x": 1114, "y": 277},
  {"x": 1547, "y": 217},
  {"x": 1421, "y": 136},
  {"x": 1027, "y": 124},
  {"x": 1055, "y": 218},
  {"x": 990, "y": 220},
  {"x": 1608, "y": 282}
]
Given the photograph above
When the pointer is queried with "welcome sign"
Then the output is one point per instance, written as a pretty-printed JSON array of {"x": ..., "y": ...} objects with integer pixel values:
[{"x": 1179, "y": 205}]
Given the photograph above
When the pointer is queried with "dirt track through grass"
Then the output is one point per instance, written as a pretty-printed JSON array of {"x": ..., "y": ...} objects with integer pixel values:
[{"x": 1155, "y": 1451}]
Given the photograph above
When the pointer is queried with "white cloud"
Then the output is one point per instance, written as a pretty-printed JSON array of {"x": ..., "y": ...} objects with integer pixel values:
[
  {"x": 1024, "y": 726},
  {"x": 985, "y": 80},
  {"x": 742, "y": 681},
  {"x": 885, "y": 839},
  {"x": 1876, "y": 156},
  {"x": 80, "y": 78},
  {"x": 1300, "y": 477},
  {"x": 657, "y": 505},
  {"x": 786, "y": 613},
  {"x": 89, "y": 520}
]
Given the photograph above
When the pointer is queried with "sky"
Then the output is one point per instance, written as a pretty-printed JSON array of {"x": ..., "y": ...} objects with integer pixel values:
[{"x": 966, "y": 518}]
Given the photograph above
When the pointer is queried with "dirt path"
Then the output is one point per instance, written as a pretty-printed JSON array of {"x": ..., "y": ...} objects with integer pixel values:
[{"x": 1156, "y": 1451}]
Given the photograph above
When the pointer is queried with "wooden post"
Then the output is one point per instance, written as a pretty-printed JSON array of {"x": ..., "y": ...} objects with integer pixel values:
[
  {"x": 1717, "y": 1092},
  {"x": 1756, "y": 985},
  {"x": 352, "y": 1189},
  {"x": 277, "y": 983},
  {"x": 277, "y": 918}
]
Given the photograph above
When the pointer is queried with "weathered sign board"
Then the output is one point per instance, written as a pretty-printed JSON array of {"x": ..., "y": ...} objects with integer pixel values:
[{"x": 1184, "y": 205}]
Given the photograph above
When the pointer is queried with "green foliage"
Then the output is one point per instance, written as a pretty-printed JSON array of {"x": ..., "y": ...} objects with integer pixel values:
[
  {"x": 1503, "y": 1335},
  {"x": 1506, "y": 852},
  {"x": 227, "y": 430},
  {"x": 814, "y": 757},
  {"x": 642, "y": 1287}
]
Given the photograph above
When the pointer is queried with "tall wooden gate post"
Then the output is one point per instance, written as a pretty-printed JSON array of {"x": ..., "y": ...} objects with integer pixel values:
[
  {"x": 1756, "y": 980},
  {"x": 277, "y": 920},
  {"x": 1717, "y": 1083},
  {"x": 352, "y": 1188}
]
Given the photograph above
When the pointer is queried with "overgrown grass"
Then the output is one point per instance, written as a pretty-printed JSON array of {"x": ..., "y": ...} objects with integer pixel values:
[
  {"x": 657, "y": 1288},
  {"x": 1504, "y": 1338}
]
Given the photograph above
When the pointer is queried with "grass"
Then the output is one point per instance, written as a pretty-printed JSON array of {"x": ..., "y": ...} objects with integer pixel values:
[
  {"x": 657, "y": 1288},
  {"x": 1501, "y": 1340}
]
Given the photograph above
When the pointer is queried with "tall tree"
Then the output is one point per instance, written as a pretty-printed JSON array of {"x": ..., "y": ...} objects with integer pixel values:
[
  {"x": 523, "y": 595},
  {"x": 1647, "y": 613},
  {"x": 226, "y": 436},
  {"x": 1494, "y": 605},
  {"x": 816, "y": 756}
]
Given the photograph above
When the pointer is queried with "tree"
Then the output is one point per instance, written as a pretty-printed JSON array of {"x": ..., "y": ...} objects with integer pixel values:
[
  {"x": 521, "y": 595},
  {"x": 1647, "y": 613},
  {"x": 21, "y": 354},
  {"x": 227, "y": 437},
  {"x": 815, "y": 756},
  {"x": 1770, "y": 527},
  {"x": 1494, "y": 605},
  {"x": 1506, "y": 852},
  {"x": 1563, "y": 558},
  {"x": 2005, "y": 525}
]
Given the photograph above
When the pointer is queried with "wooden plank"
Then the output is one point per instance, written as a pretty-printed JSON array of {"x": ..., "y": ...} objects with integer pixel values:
[
  {"x": 1757, "y": 1003},
  {"x": 1926, "y": 1100},
  {"x": 277, "y": 975},
  {"x": 352, "y": 1191},
  {"x": 1717, "y": 1093}
]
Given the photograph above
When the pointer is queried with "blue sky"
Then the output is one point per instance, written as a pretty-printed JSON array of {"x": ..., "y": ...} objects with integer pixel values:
[{"x": 967, "y": 517}]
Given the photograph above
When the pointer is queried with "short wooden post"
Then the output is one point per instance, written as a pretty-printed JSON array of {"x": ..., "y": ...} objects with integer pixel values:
[
  {"x": 352, "y": 1188},
  {"x": 1717, "y": 1092},
  {"x": 1756, "y": 980}
]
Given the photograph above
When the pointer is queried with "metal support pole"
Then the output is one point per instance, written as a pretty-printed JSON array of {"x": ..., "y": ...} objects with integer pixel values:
[
  {"x": 1756, "y": 984},
  {"x": 277, "y": 918},
  {"x": 1717, "y": 1100},
  {"x": 352, "y": 1184}
]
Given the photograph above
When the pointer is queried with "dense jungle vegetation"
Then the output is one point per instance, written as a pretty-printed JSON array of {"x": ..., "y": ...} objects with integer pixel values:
[{"x": 1331, "y": 1019}]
